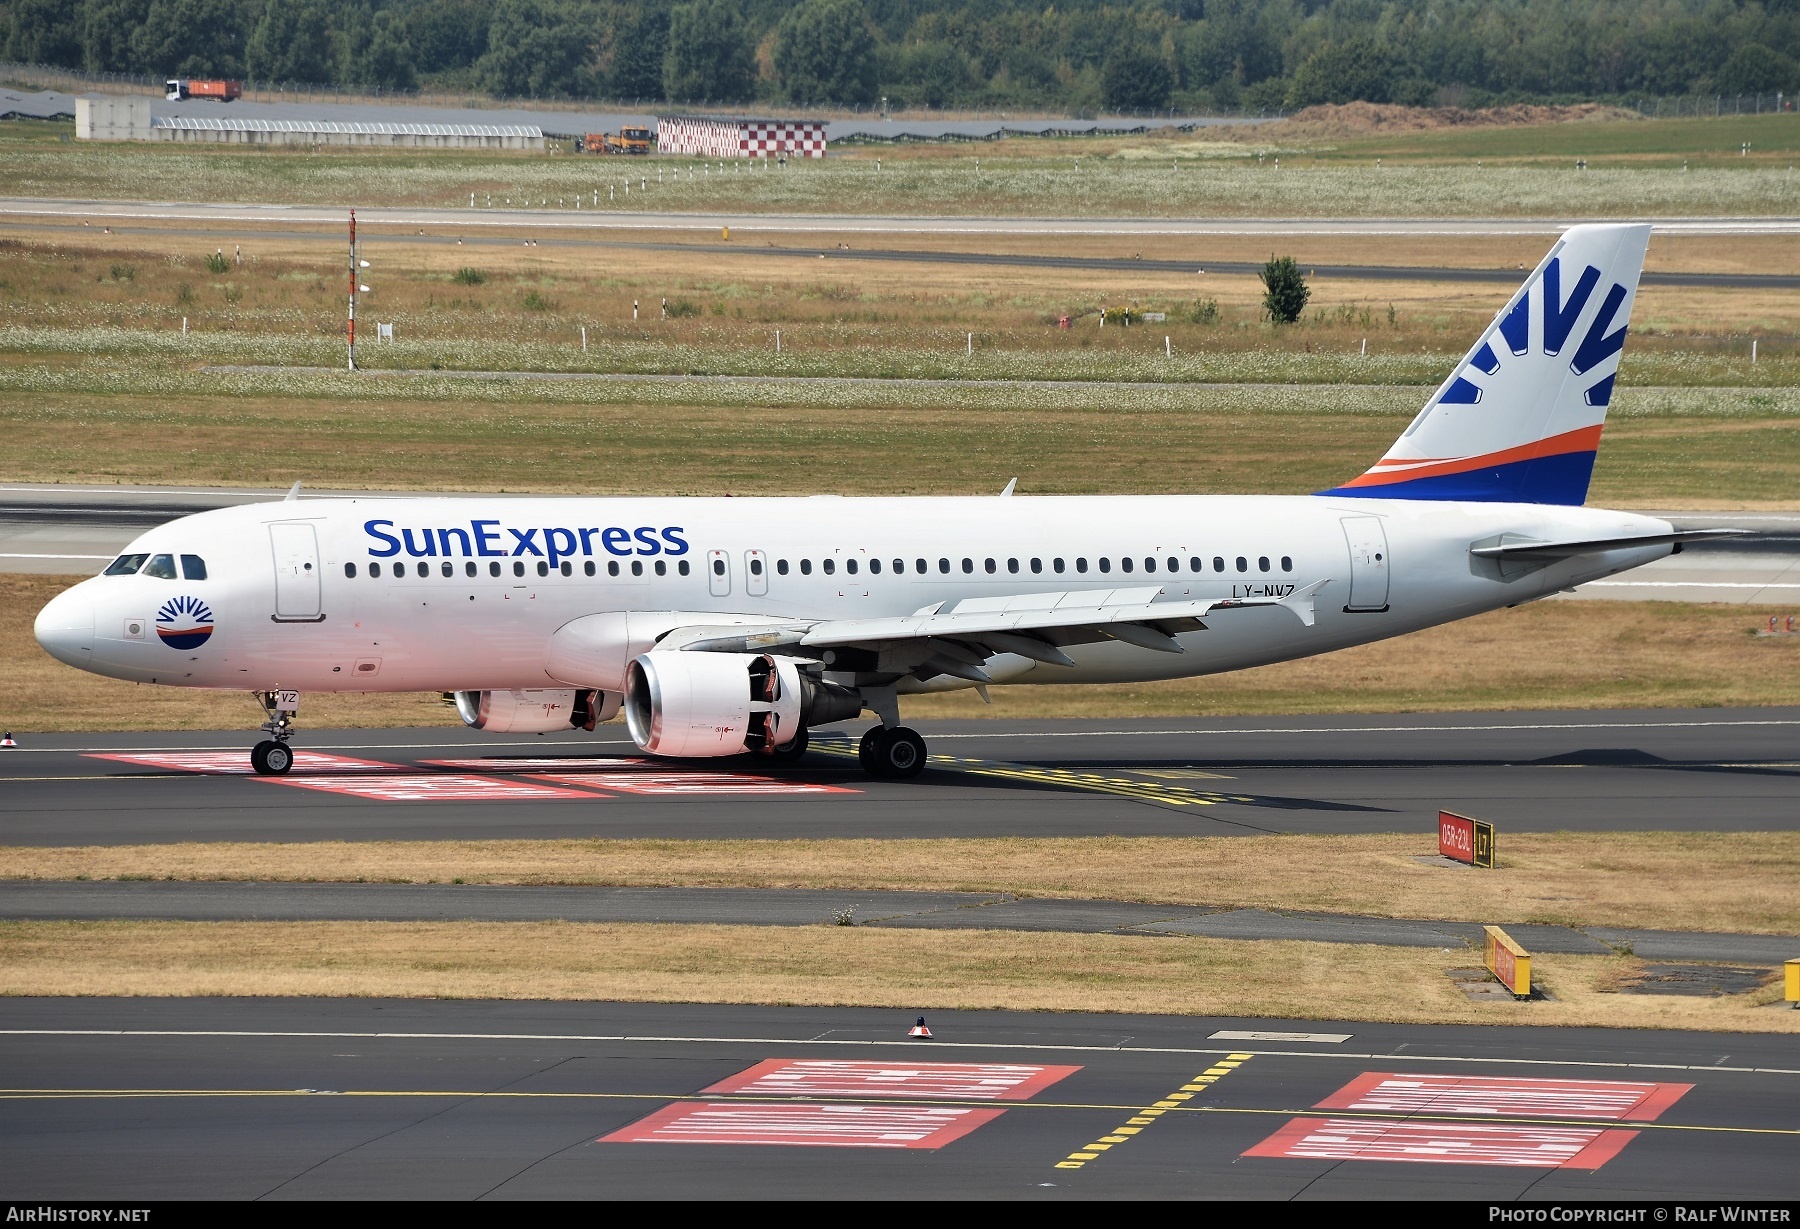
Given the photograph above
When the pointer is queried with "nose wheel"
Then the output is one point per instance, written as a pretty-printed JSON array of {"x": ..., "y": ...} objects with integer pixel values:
[
  {"x": 892, "y": 754},
  {"x": 271, "y": 759}
]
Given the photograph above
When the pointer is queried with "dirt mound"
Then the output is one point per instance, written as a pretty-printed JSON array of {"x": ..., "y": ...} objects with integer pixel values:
[{"x": 1363, "y": 118}]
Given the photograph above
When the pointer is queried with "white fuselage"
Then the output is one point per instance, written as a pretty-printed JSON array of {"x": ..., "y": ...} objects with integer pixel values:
[{"x": 471, "y": 597}]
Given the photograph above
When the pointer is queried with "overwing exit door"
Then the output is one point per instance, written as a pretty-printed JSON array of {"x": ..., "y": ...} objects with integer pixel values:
[
  {"x": 297, "y": 589},
  {"x": 718, "y": 573},
  {"x": 1368, "y": 564}
]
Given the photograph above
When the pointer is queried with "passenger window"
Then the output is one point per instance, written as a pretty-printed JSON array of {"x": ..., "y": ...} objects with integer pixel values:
[
  {"x": 543, "y": 568},
  {"x": 1056, "y": 564},
  {"x": 806, "y": 567},
  {"x": 662, "y": 568},
  {"x": 968, "y": 566},
  {"x": 424, "y": 568},
  {"x": 350, "y": 571},
  {"x": 850, "y": 566},
  {"x": 612, "y": 567},
  {"x": 1105, "y": 564},
  {"x": 469, "y": 568},
  {"x": 637, "y": 566},
  {"x": 1080, "y": 564},
  {"x": 161, "y": 566},
  {"x": 193, "y": 567},
  {"x": 447, "y": 569},
  {"x": 830, "y": 565},
  {"x": 493, "y": 569},
  {"x": 1218, "y": 563},
  {"x": 1287, "y": 563},
  {"x": 755, "y": 567},
  {"x": 781, "y": 567},
  {"x": 1174, "y": 564},
  {"x": 989, "y": 567},
  {"x": 1124, "y": 564},
  {"x": 1012, "y": 565},
  {"x": 1262, "y": 563},
  {"x": 718, "y": 568},
  {"x": 1037, "y": 565},
  {"x": 586, "y": 568},
  {"x": 399, "y": 571},
  {"x": 125, "y": 565},
  {"x": 875, "y": 566},
  {"x": 518, "y": 567},
  {"x": 919, "y": 566},
  {"x": 1243, "y": 564},
  {"x": 1195, "y": 564},
  {"x": 682, "y": 567},
  {"x": 1150, "y": 564},
  {"x": 899, "y": 567},
  {"x": 567, "y": 569}
]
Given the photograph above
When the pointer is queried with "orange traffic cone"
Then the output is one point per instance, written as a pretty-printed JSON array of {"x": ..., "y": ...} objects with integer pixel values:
[
  {"x": 919, "y": 1030},
  {"x": 8, "y": 740}
]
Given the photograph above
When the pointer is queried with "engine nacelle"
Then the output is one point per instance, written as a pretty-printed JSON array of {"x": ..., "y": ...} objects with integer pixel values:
[
  {"x": 535, "y": 711},
  {"x": 708, "y": 704}
]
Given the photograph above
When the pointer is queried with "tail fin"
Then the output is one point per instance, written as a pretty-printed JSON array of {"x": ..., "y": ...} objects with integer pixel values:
[{"x": 1519, "y": 421}]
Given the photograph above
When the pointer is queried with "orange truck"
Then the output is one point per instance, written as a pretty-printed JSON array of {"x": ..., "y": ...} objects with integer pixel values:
[
  {"x": 628, "y": 141},
  {"x": 176, "y": 89}
]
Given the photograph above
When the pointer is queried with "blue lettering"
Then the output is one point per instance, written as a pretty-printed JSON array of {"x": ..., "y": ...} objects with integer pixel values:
[
  {"x": 561, "y": 543},
  {"x": 650, "y": 546},
  {"x": 393, "y": 543},
  {"x": 672, "y": 535},
  {"x": 484, "y": 539},
  {"x": 526, "y": 546},
  {"x": 616, "y": 540},
  {"x": 444, "y": 541},
  {"x": 587, "y": 544},
  {"x": 428, "y": 548}
]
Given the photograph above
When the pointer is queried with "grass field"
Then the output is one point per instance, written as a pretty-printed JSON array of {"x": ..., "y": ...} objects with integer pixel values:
[
  {"x": 1250, "y": 173},
  {"x": 827, "y": 965},
  {"x": 1724, "y": 882},
  {"x": 1548, "y": 655}
]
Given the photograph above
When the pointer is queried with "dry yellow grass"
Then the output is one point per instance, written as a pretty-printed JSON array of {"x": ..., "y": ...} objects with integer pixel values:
[
  {"x": 1731, "y": 881},
  {"x": 1551, "y": 655},
  {"x": 825, "y": 966}
]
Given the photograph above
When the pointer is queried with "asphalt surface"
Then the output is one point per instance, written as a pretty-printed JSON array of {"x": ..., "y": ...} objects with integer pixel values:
[
  {"x": 1711, "y": 770},
  {"x": 307, "y": 1099},
  {"x": 71, "y": 900},
  {"x": 73, "y": 530},
  {"x": 211, "y": 214}
]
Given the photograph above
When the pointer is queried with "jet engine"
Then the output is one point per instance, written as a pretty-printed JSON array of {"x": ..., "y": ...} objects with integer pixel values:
[
  {"x": 535, "y": 712},
  {"x": 701, "y": 704}
]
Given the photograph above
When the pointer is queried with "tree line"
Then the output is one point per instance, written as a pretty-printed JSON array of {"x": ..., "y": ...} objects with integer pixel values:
[{"x": 1066, "y": 55}]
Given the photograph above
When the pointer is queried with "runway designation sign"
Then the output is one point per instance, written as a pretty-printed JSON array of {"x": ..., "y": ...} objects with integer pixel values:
[{"x": 1465, "y": 840}]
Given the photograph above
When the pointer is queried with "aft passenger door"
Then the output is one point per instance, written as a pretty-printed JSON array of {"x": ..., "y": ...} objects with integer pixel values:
[
  {"x": 1368, "y": 564},
  {"x": 297, "y": 590}
]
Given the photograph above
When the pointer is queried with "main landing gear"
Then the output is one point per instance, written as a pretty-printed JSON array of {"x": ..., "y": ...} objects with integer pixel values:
[
  {"x": 892, "y": 753},
  {"x": 272, "y": 757}
]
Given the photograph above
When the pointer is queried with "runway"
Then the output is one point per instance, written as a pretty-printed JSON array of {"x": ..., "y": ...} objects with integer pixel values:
[
  {"x": 296, "y": 1099},
  {"x": 212, "y": 214},
  {"x": 1712, "y": 770}
]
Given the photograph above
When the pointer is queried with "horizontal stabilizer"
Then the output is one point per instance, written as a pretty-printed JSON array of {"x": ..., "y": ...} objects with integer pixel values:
[{"x": 1550, "y": 551}]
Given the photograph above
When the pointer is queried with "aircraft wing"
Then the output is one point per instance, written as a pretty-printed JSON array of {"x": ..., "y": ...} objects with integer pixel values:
[{"x": 1035, "y": 625}]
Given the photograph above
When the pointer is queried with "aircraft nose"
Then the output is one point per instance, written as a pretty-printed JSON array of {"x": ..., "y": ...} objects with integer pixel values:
[{"x": 65, "y": 627}]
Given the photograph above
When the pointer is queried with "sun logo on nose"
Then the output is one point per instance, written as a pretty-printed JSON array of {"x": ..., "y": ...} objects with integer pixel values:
[{"x": 184, "y": 623}]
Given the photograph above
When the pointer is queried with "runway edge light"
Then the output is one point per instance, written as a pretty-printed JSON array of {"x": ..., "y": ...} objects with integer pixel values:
[{"x": 919, "y": 1030}]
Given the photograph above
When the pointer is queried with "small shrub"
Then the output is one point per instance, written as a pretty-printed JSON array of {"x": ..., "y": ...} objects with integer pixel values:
[
  {"x": 184, "y": 294},
  {"x": 535, "y": 302},
  {"x": 468, "y": 277},
  {"x": 218, "y": 262},
  {"x": 1287, "y": 291},
  {"x": 682, "y": 308},
  {"x": 1204, "y": 311},
  {"x": 124, "y": 273}
]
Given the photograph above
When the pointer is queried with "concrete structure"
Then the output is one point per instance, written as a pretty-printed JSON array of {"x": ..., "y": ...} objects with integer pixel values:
[
  {"x": 247, "y": 131},
  {"x": 112, "y": 117},
  {"x": 731, "y": 137}
]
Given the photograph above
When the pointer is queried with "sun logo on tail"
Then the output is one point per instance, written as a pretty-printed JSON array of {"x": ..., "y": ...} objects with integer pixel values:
[{"x": 184, "y": 623}]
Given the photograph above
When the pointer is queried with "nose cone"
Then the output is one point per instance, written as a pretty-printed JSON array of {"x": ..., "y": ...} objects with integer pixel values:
[{"x": 65, "y": 627}]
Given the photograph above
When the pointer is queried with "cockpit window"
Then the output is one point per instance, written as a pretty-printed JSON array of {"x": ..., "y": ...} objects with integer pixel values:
[
  {"x": 125, "y": 565},
  {"x": 161, "y": 566},
  {"x": 193, "y": 567}
]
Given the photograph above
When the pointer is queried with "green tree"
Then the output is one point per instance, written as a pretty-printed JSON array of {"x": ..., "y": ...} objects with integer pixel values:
[
  {"x": 105, "y": 28},
  {"x": 1285, "y": 290},
  {"x": 1354, "y": 70},
  {"x": 535, "y": 51},
  {"x": 825, "y": 53},
  {"x": 637, "y": 56},
  {"x": 380, "y": 55},
  {"x": 291, "y": 42},
  {"x": 191, "y": 38},
  {"x": 1135, "y": 79},
  {"x": 710, "y": 55},
  {"x": 42, "y": 32},
  {"x": 1755, "y": 69}
]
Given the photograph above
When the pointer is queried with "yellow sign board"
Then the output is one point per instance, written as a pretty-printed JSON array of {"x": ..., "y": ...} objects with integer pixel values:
[{"x": 1511, "y": 963}]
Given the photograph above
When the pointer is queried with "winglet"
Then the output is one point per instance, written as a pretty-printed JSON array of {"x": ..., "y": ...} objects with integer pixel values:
[
  {"x": 1301, "y": 601},
  {"x": 293, "y": 492},
  {"x": 1010, "y": 484}
]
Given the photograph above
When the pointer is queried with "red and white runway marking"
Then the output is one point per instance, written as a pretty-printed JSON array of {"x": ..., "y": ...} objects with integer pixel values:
[
  {"x": 691, "y": 783},
  {"x": 1445, "y": 1143},
  {"x": 546, "y": 763},
  {"x": 818, "y": 1126},
  {"x": 236, "y": 763},
  {"x": 808, "y": 1077},
  {"x": 1503, "y": 1097},
  {"x": 435, "y": 787}
]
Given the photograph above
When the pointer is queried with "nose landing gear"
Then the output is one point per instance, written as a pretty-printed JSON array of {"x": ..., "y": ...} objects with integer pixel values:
[
  {"x": 272, "y": 757},
  {"x": 892, "y": 753}
]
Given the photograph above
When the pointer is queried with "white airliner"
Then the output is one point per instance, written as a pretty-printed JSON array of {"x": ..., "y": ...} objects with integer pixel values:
[{"x": 728, "y": 626}]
